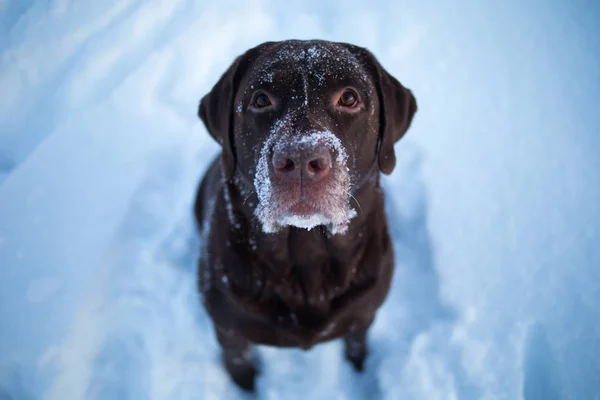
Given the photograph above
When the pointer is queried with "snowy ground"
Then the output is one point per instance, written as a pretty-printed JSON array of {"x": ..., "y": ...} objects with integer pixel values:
[{"x": 495, "y": 204}]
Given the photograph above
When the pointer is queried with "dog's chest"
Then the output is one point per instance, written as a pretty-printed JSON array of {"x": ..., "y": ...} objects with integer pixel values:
[
  {"x": 307, "y": 273},
  {"x": 301, "y": 287},
  {"x": 297, "y": 289},
  {"x": 289, "y": 323}
]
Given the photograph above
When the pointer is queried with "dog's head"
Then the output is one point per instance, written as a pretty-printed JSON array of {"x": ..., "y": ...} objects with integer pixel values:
[{"x": 306, "y": 123}]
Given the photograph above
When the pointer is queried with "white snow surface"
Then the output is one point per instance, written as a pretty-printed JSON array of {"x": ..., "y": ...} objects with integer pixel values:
[{"x": 494, "y": 206}]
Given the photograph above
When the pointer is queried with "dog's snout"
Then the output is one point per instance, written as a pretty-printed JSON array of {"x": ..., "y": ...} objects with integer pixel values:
[
  {"x": 285, "y": 166},
  {"x": 318, "y": 164},
  {"x": 297, "y": 165}
]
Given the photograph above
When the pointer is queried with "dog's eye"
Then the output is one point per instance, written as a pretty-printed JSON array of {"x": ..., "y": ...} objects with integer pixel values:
[
  {"x": 261, "y": 100},
  {"x": 348, "y": 99}
]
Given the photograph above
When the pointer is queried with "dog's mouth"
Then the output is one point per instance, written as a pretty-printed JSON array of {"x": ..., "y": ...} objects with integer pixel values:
[
  {"x": 304, "y": 204},
  {"x": 307, "y": 216},
  {"x": 303, "y": 209}
]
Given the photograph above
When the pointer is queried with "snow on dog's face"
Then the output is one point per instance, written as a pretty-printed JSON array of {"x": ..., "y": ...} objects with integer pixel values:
[
  {"x": 293, "y": 192},
  {"x": 305, "y": 129}
]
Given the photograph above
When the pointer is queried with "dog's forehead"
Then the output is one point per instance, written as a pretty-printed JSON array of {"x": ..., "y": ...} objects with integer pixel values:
[{"x": 316, "y": 60}]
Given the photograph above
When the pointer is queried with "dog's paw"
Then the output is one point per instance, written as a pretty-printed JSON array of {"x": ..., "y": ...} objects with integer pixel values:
[
  {"x": 242, "y": 371},
  {"x": 356, "y": 355}
]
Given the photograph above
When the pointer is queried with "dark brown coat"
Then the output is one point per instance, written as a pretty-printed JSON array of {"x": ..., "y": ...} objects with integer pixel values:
[{"x": 297, "y": 287}]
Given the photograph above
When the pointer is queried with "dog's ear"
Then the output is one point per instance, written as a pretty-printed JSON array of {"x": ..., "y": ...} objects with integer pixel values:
[
  {"x": 216, "y": 108},
  {"x": 397, "y": 108}
]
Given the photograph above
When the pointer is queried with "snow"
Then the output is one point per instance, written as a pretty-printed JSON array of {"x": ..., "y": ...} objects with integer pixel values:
[
  {"x": 494, "y": 205},
  {"x": 304, "y": 221}
]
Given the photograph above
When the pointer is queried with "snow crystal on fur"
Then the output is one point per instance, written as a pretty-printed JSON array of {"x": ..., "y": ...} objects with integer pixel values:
[{"x": 338, "y": 212}]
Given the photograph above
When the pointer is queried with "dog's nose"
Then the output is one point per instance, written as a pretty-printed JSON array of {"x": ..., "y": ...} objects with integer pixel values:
[{"x": 310, "y": 165}]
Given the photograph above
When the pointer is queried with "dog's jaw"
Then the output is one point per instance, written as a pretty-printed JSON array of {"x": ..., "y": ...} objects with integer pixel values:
[{"x": 332, "y": 207}]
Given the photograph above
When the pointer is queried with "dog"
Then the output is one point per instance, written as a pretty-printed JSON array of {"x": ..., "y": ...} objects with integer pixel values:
[{"x": 295, "y": 243}]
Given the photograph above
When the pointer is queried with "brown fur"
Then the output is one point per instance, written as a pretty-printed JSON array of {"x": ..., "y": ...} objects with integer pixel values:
[{"x": 297, "y": 287}]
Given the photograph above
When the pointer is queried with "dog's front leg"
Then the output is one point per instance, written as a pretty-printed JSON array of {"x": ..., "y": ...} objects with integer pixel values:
[
  {"x": 237, "y": 358},
  {"x": 355, "y": 347}
]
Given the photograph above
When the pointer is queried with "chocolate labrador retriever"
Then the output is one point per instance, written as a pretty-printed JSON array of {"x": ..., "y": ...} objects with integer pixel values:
[{"x": 296, "y": 249}]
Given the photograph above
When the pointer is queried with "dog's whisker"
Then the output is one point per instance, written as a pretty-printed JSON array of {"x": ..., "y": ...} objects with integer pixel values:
[
  {"x": 254, "y": 218},
  {"x": 247, "y": 197},
  {"x": 356, "y": 200}
]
